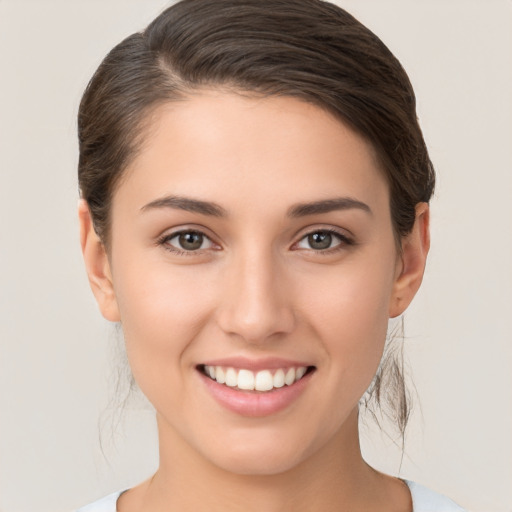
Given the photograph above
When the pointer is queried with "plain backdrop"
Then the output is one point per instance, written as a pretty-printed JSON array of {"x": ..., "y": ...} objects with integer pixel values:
[{"x": 56, "y": 353}]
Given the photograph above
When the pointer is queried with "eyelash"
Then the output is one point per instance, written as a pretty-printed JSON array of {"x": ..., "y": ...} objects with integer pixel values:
[{"x": 344, "y": 241}]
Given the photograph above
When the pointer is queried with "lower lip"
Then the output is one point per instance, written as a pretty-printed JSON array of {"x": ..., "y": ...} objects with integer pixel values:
[{"x": 253, "y": 403}]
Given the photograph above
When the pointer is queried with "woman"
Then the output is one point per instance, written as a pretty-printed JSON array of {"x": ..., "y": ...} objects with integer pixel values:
[{"x": 254, "y": 209}]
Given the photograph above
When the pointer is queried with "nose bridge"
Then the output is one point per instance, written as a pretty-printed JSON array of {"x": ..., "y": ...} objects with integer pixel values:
[{"x": 257, "y": 302}]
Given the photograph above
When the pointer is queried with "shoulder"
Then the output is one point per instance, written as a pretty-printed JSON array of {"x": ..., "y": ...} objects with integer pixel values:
[
  {"x": 425, "y": 500},
  {"x": 106, "y": 504}
]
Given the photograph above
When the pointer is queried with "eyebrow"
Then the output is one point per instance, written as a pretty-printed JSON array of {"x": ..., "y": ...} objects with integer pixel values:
[
  {"x": 299, "y": 210},
  {"x": 326, "y": 206},
  {"x": 188, "y": 204}
]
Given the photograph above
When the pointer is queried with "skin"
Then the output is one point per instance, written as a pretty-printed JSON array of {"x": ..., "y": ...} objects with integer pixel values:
[{"x": 256, "y": 288}]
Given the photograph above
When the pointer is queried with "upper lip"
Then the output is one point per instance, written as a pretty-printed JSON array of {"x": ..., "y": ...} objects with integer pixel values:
[{"x": 267, "y": 363}]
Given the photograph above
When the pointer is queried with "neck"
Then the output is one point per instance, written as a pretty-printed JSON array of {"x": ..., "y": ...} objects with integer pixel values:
[{"x": 335, "y": 477}]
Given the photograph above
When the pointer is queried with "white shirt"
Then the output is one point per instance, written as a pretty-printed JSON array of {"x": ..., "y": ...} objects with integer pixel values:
[{"x": 423, "y": 500}]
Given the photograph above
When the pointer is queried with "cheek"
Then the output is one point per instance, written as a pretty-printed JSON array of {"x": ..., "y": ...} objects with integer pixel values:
[
  {"x": 162, "y": 311},
  {"x": 350, "y": 316},
  {"x": 353, "y": 299}
]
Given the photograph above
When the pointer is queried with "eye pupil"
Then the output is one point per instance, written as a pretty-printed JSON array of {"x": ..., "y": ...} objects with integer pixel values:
[
  {"x": 191, "y": 241},
  {"x": 320, "y": 240}
]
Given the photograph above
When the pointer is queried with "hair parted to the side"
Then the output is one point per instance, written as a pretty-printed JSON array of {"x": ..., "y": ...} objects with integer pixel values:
[{"x": 308, "y": 49}]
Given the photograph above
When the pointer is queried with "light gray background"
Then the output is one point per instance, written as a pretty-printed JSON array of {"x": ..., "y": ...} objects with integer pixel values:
[{"x": 56, "y": 351}]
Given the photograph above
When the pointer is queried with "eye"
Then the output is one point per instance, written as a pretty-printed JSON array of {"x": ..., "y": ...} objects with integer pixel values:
[
  {"x": 187, "y": 241},
  {"x": 322, "y": 240}
]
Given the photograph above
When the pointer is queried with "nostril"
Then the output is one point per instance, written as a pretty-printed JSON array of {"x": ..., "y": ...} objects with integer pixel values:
[{"x": 258, "y": 328}]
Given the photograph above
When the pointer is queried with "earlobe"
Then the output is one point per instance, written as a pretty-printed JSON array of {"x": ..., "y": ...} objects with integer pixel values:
[
  {"x": 415, "y": 248},
  {"x": 97, "y": 265}
]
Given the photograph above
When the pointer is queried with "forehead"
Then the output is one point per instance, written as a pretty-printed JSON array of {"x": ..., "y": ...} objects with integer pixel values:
[{"x": 240, "y": 147}]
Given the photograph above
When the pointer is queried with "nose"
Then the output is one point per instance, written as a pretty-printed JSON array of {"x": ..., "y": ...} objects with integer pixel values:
[{"x": 257, "y": 302}]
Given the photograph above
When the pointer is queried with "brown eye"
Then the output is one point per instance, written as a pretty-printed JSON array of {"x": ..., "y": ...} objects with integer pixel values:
[
  {"x": 189, "y": 241},
  {"x": 322, "y": 240}
]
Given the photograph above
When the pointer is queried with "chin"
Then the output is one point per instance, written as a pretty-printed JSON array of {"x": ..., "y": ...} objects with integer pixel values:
[
  {"x": 260, "y": 464},
  {"x": 262, "y": 457}
]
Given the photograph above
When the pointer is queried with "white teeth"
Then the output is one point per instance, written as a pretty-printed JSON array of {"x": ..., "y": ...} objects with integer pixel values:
[
  {"x": 279, "y": 379},
  {"x": 245, "y": 379},
  {"x": 299, "y": 372},
  {"x": 289, "y": 378},
  {"x": 259, "y": 381},
  {"x": 264, "y": 381},
  {"x": 231, "y": 378},
  {"x": 220, "y": 376}
]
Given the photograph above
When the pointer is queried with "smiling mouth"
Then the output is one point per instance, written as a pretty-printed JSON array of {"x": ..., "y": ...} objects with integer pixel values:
[{"x": 260, "y": 381}]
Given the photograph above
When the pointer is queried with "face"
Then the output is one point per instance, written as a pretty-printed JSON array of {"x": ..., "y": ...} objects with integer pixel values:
[{"x": 252, "y": 247}]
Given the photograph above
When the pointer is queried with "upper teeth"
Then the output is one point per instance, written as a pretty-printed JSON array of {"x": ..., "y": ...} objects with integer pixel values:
[{"x": 263, "y": 380}]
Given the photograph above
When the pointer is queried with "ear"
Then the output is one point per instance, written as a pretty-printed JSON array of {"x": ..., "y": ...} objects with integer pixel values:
[
  {"x": 411, "y": 262},
  {"x": 97, "y": 265}
]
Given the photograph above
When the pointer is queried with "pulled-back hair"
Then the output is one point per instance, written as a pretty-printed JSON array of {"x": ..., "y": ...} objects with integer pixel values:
[{"x": 307, "y": 49}]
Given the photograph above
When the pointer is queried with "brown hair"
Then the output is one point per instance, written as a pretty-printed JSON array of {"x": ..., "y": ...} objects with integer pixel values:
[{"x": 309, "y": 49}]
